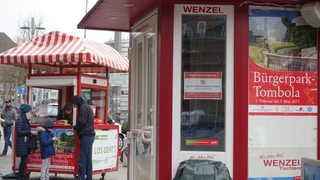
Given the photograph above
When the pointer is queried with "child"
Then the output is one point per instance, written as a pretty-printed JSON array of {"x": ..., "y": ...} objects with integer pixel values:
[{"x": 46, "y": 139}]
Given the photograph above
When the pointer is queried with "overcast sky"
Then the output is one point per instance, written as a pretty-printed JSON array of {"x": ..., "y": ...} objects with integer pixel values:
[{"x": 56, "y": 15}]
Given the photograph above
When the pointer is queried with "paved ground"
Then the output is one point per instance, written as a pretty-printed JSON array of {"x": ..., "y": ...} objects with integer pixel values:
[{"x": 6, "y": 166}]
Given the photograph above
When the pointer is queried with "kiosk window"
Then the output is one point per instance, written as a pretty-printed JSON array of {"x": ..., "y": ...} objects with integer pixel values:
[
  {"x": 203, "y": 67},
  {"x": 97, "y": 100},
  {"x": 44, "y": 104}
]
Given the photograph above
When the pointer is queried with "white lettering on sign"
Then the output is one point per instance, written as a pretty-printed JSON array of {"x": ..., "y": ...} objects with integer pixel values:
[{"x": 202, "y": 9}]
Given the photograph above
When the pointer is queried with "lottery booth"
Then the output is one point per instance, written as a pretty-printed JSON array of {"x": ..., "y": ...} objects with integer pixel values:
[{"x": 60, "y": 66}]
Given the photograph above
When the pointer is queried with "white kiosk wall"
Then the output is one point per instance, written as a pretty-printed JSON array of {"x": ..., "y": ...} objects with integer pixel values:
[{"x": 203, "y": 84}]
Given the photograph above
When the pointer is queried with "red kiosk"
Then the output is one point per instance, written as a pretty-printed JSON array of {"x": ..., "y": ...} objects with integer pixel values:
[{"x": 61, "y": 66}]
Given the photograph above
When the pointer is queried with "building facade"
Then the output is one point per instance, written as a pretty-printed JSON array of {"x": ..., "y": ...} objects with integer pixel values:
[
  {"x": 9, "y": 86},
  {"x": 119, "y": 82}
]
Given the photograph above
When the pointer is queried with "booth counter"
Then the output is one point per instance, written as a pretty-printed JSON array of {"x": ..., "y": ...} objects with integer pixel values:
[{"x": 104, "y": 153}]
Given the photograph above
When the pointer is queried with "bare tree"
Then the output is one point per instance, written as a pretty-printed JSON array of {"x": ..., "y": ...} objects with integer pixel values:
[
  {"x": 29, "y": 29},
  {"x": 13, "y": 77}
]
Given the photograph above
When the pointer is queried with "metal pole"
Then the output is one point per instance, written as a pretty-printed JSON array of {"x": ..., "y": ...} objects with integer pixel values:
[
  {"x": 85, "y": 30},
  {"x": 33, "y": 28},
  {"x": 117, "y": 41}
]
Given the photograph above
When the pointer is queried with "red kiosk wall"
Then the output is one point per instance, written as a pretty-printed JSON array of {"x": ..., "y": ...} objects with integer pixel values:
[
  {"x": 164, "y": 145},
  {"x": 69, "y": 93},
  {"x": 318, "y": 95},
  {"x": 240, "y": 91},
  {"x": 318, "y": 142}
]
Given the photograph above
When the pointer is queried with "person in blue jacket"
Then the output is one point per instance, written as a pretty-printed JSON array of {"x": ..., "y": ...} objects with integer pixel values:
[
  {"x": 23, "y": 136},
  {"x": 46, "y": 139}
]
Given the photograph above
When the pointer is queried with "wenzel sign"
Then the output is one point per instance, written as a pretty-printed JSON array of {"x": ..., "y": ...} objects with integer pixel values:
[{"x": 202, "y": 9}]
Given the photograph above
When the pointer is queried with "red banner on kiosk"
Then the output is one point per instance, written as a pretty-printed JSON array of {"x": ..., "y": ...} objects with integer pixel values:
[
  {"x": 281, "y": 92},
  {"x": 63, "y": 161}
]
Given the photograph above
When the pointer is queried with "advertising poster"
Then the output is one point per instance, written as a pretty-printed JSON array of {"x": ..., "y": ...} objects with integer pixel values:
[
  {"x": 105, "y": 150},
  {"x": 64, "y": 148},
  {"x": 283, "y": 89},
  {"x": 202, "y": 85}
]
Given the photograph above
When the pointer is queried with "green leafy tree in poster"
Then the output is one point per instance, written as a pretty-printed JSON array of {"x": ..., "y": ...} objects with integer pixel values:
[{"x": 302, "y": 36}]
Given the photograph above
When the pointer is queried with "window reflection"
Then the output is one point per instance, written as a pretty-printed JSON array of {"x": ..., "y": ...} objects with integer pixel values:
[
  {"x": 96, "y": 99},
  {"x": 44, "y": 103},
  {"x": 203, "y": 97}
]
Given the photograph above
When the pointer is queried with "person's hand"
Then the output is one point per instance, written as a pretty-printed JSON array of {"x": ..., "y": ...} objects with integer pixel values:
[
  {"x": 34, "y": 132},
  {"x": 41, "y": 129},
  {"x": 55, "y": 138}
]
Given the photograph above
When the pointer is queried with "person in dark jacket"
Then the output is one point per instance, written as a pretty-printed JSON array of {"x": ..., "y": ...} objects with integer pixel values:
[
  {"x": 85, "y": 130},
  {"x": 9, "y": 114},
  {"x": 46, "y": 140},
  {"x": 23, "y": 136}
]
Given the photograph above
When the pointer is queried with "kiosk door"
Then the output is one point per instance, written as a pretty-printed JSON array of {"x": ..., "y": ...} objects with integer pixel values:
[
  {"x": 143, "y": 100},
  {"x": 203, "y": 84}
]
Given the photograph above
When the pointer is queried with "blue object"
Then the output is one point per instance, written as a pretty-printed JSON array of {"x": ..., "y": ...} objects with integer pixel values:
[
  {"x": 22, "y": 90},
  {"x": 7, "y": 142},
  {"x": 85, "y": 157}
]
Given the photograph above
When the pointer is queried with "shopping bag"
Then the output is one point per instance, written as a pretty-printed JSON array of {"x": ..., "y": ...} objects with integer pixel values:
[
  {"x": 32, "y": 144},
  {"x": 202, "y": 170}
]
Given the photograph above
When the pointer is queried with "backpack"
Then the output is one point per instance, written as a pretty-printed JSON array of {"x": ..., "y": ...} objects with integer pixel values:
[
  {"x": 32, "y": 144},
  {"x": 202, "y": 170}
]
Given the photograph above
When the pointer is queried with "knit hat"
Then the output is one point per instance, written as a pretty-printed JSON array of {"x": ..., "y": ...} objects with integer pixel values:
[
  {"x": 48, "y": 124},
  {"x": 24, "y": 108}
]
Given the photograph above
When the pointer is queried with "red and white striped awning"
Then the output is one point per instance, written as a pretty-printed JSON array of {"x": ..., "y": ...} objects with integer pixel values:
[{"x": 62, "y": 51}]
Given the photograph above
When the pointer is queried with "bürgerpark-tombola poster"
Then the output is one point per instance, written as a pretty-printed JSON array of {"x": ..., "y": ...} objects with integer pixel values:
[{"x": 282, "y": 93}]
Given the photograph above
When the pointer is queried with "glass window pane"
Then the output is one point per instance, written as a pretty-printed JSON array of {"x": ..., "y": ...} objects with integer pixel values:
[
  {"x": 96, "y": 99},
  {"x": 203, "y": 82},
  {"x": 150, "y": 81},
  {"x": 139, "y": 85},
  {"x": 44, "y": 104}
]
